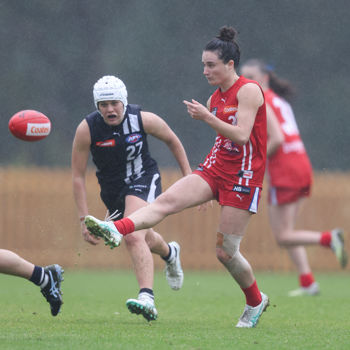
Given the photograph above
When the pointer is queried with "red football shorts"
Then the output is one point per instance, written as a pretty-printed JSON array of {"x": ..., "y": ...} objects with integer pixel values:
[
  {"x": 230, "y": 194},
  {"x": 284, "y": 195}
]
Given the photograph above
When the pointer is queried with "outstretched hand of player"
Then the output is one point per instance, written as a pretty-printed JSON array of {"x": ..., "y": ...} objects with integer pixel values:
[
  {"x": 88, "y": 237},
  {"x": 196, "y": 110}
]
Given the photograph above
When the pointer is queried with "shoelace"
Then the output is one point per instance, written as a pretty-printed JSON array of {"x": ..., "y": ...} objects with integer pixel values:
[
  {"x": 149, "y": 301},
  {"x": 113, "y": 216}
]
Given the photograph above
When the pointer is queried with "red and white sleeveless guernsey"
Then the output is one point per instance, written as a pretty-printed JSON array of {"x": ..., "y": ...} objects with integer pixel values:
[
  {"x": 232, "y": 163},
  {"x": 289, "y": 166}
]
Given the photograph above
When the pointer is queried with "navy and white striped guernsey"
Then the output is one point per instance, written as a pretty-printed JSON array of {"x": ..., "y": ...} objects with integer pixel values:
[{"x": 120, "y": 152}]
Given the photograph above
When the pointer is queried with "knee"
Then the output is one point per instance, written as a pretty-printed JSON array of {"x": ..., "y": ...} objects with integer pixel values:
[
  {"x": 151, "y": 237},
  {"x": 222, "y": 256},
  {"x": 227, "y": 246},
  {"x": 133, "y": 239},
  {"x": 282, "y": 239}
]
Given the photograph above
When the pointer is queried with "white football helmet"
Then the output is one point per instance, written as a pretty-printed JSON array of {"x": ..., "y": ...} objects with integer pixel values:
[{"x": 110, "y": 88}]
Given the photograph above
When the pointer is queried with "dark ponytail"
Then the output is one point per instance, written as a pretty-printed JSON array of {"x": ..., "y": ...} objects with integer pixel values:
[
  {"x": 281, "y": 87},
  {"x": 226, "y": 45}
]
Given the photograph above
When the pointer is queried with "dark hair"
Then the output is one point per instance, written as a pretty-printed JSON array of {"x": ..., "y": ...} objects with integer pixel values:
[
  {"x": 281, "y": 87},
  {"x": 226, "y": 45}
]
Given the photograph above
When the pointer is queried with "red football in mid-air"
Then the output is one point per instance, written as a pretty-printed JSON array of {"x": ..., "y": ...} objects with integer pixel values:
[{"x": 30, "y": 125}]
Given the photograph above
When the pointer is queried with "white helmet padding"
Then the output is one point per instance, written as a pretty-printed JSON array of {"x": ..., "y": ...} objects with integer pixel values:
[{"x": 110, "y": 88}]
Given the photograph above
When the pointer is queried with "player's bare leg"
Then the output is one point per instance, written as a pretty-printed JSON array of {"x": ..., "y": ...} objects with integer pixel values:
[
  {"x": 282, "y": 220},
  {"x": 233, "y": 224},
  {"x": 141, "y": 244},
  {"x": 308, "y": 286},
  {"x": 48, "y": 278},
  {"x": 299, "y": 257},
  {"x": 188, "y": 192},
  {"x": 142, "y": 259},
  {"x": 13, "y": 264},
  {"x": 170, "y": 253},
  {"x": 144, "y": 270}
]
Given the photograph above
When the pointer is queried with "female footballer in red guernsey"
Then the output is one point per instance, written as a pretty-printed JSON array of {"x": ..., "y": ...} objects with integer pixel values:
[
  {"x": 290, "y": 177},
  {"x": 232, "y": 173}
]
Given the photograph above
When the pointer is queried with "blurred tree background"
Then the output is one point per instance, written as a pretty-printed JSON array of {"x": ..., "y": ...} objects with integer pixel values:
[{"x": 53, "y": 51}]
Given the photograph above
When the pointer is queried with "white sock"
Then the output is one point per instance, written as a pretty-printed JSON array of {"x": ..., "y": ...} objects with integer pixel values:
[
  {"x": 147, "y": 297},
  {"x": 172, "y": 253},
  {"x": 45, "y": 281}
]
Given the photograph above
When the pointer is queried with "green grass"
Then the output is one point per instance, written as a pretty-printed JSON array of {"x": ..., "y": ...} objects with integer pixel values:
[{"x": 201, "y": 315}]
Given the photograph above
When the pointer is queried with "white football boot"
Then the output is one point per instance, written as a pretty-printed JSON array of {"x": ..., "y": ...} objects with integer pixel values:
[
  {"x": 105, "y": 230},
  {"x": 312, "y": 290},
  {"x": 173, "y": 270},
  {"x": 251, "y": 315},
  {"x": 143, "y": 306},
  {"x": 338, "y": 246}
]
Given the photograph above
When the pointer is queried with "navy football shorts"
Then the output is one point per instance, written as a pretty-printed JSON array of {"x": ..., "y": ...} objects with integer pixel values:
[{"x": 147, "y": 187}]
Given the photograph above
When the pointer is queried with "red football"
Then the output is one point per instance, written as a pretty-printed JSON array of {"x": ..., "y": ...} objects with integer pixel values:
[{"x": 30, "y": 125}]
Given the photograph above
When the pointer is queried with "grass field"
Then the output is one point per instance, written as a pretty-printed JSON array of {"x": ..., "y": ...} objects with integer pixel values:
[{"x": 201, "y": 315}]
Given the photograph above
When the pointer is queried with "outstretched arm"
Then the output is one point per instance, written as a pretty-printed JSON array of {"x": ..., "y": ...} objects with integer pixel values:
[
  {"x": 157, "y": 127},
  {"x": 80, "y": 156}
]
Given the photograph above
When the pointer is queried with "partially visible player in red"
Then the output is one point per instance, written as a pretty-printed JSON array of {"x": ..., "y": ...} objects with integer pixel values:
[
  {"x": 232, "y": 173},
  {"x": 290, "y": 177}
]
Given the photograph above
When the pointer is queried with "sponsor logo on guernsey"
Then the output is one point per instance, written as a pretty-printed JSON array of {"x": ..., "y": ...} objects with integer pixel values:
[
  {"x": 230, "y": 146},
  {"x": 38, "y": 129},
  {"x": 241, "y": 189},
  {"x": 133, "y": 138},
  {"x": 246, "y": 174},
  {"x": 230, "y": 109},
  {"x": 240, "y": 197},
  {"x": 106, "y": 143}
]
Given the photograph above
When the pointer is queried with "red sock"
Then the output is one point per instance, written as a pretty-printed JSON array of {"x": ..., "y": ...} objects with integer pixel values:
[
  {"x": 306, "y": 279},
  {"x": 326, "y": 238},
  {"x": 124, "y": 226},
  {"x": 252, "y": 295}
]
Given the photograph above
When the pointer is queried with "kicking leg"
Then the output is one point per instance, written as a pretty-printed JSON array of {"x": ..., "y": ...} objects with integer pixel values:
[{"x": 187, "y": 192}]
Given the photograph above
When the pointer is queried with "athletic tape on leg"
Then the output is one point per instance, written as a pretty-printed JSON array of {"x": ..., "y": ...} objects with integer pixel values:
[
  {"x": 234, "y": 262},
  {"x": 229, "y": 243}
]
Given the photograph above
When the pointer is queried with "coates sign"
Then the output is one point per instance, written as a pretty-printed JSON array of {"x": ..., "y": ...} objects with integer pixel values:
[{"x": 38, "y": 129}]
